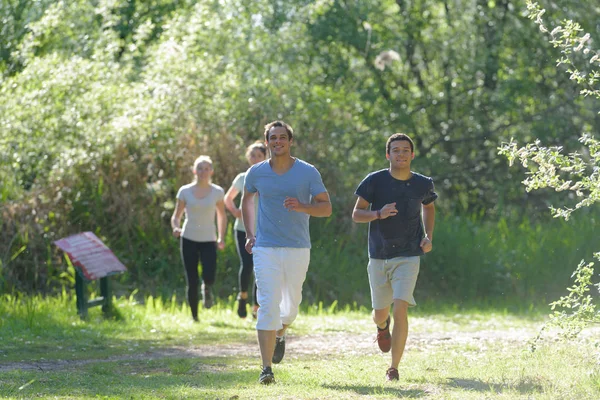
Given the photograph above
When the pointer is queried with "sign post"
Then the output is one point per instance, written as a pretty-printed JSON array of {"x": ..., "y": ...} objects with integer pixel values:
[{"x": 92, "y": 260}]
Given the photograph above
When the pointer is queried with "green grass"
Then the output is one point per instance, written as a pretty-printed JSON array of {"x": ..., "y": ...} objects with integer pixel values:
[
  {"x": 52, "y": 330},
  {"x": 155, "y": 352}
]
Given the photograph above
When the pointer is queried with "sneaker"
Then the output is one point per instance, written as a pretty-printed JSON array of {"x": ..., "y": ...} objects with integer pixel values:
[
  {"x": 384, "y": 339},
  {"x": 207, "y": 299},
  {"x": 279, "y": 350},
  {"x": 255, "y": 311},
  {"x": 392, "y": 374},
  {"x": 242, "y": 308},
  {"x": 266, "y": 377}
]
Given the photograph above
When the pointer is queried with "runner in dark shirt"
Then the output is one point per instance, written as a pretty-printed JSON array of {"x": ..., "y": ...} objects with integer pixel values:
[{"x": 391, "y": 201}]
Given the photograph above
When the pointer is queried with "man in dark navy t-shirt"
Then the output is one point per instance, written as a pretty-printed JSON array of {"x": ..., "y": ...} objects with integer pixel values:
[{"x": 396, "y": 202}]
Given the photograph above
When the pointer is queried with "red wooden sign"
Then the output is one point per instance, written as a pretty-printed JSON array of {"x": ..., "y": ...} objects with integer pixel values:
[{"x": 88, "y": 253}]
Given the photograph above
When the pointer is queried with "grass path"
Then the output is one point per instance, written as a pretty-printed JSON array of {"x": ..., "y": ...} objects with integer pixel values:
[
  {"x": 311, "y": 344},
  {"x": 159, "y": 353},
  {"x": 358, "y": 341}
]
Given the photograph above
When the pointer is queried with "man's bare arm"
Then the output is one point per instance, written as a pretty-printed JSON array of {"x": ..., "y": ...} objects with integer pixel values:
[
  {"x": 248, "y": 216},
  {"x": 361, "y": 212},
  {"x": 320, "y": 207},
  {"x": 429, "y": 219}
]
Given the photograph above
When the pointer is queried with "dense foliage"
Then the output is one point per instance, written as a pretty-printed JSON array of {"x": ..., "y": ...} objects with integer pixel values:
[
  {"x": 577, "y": 172},
  {"x": 104, "y": 104}
]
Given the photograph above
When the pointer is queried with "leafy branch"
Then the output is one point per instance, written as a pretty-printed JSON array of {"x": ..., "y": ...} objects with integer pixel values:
[
  {"x": 573, "y": 312},
  {"x": 548, "y": 167},
  {"x": 577, "y": 172}
]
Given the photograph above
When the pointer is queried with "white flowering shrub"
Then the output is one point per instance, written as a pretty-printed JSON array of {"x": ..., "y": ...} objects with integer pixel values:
[{"x": 577, "y": 172}]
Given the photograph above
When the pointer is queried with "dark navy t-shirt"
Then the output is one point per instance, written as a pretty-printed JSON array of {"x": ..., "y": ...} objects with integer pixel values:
[{"x": 401, "y": 234}]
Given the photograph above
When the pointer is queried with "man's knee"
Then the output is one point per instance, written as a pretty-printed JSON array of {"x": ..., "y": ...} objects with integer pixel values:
[
  {"x": 268, "y": 316},
  {"x": 400, "y": 309},
  {"x": 380, "y": 315},
  {"x": 289, "y": 317}
]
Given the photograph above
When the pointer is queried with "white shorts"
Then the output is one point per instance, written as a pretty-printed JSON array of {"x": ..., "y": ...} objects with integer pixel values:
[
  {"x": 393, "y": 279},
  {"x": 280, "y": 273}
]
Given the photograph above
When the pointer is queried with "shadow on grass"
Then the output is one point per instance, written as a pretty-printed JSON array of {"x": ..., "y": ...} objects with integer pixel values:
[
  {"x": 375, "y": 390},
  {"x": 523, "y": 386},
  {"x": 156, "y": 379}
]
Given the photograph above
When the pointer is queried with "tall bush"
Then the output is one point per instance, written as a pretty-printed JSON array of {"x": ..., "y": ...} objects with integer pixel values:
[{"x": 577, "y": 172}]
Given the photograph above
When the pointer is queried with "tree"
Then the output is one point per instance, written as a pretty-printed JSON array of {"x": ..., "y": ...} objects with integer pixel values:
[{"x": 577, "y": 172}]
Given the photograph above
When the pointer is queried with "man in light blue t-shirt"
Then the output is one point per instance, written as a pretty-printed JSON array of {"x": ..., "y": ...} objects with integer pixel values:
[{"x": 291, "y": 191}]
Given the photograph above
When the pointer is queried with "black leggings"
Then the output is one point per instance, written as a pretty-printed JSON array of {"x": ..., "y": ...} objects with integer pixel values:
[
  {"x": 247, "y": 266},
  {"x": 191, "y": 253}
]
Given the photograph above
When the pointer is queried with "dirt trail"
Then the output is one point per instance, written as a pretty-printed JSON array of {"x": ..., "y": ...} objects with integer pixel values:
[{"x": 323, "y": 345}]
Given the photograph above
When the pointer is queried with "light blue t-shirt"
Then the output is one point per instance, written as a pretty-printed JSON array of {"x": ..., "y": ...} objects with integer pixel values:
[{"x": 276, "y": 226}]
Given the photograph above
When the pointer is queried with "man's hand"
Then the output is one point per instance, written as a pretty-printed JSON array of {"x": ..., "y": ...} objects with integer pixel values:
[
  {"x": 176, "y": 232},
  {"x": 389, "y": 210},
  {"x": 220, "y": 244},
  {"x": 292, "y": 204},
  {"x": 250, "y": 244},
  {"x": 426, "y": 244}
]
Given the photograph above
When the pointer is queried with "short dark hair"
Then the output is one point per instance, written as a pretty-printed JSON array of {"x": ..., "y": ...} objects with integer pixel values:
[
  {"x": 277, "y": 124},
  {"x": 399, "y": 136}
]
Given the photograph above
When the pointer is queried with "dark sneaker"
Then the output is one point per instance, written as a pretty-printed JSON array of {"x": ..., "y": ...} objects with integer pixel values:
[
  {"x": 266, "y": 377},
  {"x": 207, "y": 299},
  {"x": 384, "y": 339},
  {"x": 279, "y": 350},
  {"x": 392, "y": 374},
  {"x": 242, "y": 312}
]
